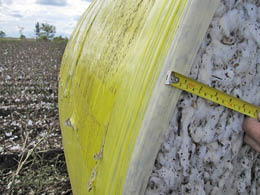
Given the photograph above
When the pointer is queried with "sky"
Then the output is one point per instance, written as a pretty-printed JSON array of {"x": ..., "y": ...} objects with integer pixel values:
[{"x": 17, "y": 15}]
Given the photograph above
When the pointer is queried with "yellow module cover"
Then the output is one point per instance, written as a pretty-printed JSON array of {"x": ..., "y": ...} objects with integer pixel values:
[{"x": 114, "y": 107}]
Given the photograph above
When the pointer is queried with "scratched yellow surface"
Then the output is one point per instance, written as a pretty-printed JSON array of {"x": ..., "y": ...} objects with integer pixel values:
[{"x": 108, "y": 74}]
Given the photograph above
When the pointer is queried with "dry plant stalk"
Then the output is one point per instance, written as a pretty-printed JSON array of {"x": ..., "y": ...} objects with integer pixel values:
[{"x": 22, "y": 162}]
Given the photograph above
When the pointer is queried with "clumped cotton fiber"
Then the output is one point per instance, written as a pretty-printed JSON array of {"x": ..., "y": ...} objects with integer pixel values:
[{"x": 203, "y": 151}]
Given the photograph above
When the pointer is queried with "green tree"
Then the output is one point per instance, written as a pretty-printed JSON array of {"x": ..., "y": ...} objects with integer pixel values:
[
  {"x": 45, "y": 31},
  {"x": 37, "y": 30},
  {"x": 22, "y": 37},
  {"x": 21, "y": 32},
  {"x": 2, "y": 34},
  {"x": 60, "y": 39},
  {"x": 48, "y": 30}
]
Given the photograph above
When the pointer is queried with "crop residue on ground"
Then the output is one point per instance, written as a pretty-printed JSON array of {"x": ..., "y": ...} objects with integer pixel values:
[{"x": 31, "y": 154}]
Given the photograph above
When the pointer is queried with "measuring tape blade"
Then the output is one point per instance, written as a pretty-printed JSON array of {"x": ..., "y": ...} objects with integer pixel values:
[{"x": 192, "y": 86}]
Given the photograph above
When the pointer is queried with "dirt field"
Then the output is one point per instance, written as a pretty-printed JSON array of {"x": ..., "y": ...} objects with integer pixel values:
[{"x": 31, "y": 154}]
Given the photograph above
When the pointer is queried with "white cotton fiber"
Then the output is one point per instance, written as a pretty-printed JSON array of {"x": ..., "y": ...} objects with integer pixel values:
[
  {"x": 203, "y": 151},
  {"x": 227, "y": 22}
]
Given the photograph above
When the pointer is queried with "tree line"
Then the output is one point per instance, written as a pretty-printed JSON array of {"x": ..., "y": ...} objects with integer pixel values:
[{"x": 43, "y": 31}]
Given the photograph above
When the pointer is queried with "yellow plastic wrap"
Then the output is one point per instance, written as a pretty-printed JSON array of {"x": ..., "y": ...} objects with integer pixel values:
[{"x": 113, "y": 104}]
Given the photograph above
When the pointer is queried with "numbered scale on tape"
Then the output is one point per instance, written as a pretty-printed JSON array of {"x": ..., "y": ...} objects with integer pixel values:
[{"x": 192, "y": 86}]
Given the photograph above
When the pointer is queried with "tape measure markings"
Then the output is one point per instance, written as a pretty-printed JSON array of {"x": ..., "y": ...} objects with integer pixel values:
[{"x": 192, "y": 86}]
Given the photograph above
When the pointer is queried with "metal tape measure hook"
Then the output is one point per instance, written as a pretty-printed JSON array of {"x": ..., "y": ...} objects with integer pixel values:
[{"x": 171, "y": 78}]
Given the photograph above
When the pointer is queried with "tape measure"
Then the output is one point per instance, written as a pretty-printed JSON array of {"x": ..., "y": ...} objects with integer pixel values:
[{"x": 192, "y": 86}]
